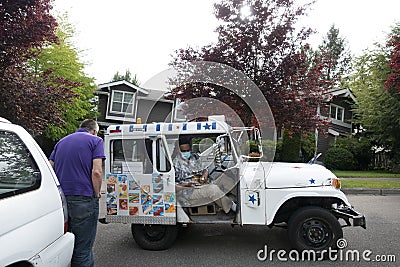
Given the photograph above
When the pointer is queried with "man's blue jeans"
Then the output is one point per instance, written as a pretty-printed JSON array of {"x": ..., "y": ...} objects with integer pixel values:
[{"x": 83, "y": 213}]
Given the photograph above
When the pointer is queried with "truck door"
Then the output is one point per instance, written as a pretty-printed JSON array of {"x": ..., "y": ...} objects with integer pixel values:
[
  {"x": 139, "y": 180},
  {"x": 252, "y": 176}
]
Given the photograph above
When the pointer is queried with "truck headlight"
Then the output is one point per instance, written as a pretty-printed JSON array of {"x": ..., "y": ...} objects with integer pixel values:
[{"x": 335, "y": 182}]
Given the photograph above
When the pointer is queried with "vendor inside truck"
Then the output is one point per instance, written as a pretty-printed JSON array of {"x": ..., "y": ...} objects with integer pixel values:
[{"x": 192, "y": 184}]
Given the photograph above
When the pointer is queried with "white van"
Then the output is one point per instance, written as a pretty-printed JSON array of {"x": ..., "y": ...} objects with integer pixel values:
[{"x": 33, "y": 220}]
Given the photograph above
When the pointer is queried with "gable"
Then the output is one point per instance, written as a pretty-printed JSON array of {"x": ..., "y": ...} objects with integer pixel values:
[{"x": 125, "y": 102}]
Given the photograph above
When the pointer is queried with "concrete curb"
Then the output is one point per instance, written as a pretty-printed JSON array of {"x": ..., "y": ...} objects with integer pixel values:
[{"x": 371, "y": 191}]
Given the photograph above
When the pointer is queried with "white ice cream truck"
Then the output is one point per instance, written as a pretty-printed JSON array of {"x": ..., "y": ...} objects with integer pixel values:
[{"x": 141, "y": 190}]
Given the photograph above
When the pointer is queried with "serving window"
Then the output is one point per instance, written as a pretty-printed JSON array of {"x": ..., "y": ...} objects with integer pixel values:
[
  {"x": 136, "y": 156},
  {"x": 131, "y": 155}
]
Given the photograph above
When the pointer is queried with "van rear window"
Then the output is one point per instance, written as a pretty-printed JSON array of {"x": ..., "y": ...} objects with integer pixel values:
[{"x": 19, "y": 172}]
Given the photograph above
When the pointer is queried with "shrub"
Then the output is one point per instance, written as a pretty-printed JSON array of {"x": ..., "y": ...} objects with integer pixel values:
[
  {"x": 290, "y": 151},
  {"x": 360, "y": 148},
  {"x": 307, "y": 146},
  {"x": 339, "y": 158},
  {"x": 278, "y": 151},
  {"x": 271, "y": 150}
]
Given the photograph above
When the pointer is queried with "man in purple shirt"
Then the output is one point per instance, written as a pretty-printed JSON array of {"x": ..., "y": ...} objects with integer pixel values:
[{"x": 77, "y": 161}]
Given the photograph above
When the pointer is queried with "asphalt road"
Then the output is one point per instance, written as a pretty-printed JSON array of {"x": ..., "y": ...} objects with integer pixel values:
[{"x": 222, "y": 245}]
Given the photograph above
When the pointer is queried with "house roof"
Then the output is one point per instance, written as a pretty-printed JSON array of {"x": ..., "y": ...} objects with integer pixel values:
[
  {"x": 110, "y": 84},
  {"x": 156, "y": 94},
  {"x": 150, "y": 94},
  {"x": 342, "y": 92}
]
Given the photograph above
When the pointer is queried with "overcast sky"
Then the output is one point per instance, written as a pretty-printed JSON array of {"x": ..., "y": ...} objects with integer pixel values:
[{"x": 141, "y": 35}]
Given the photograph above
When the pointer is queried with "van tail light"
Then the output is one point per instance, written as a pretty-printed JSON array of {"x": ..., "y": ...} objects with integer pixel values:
[{"x": 65, "y": 209}]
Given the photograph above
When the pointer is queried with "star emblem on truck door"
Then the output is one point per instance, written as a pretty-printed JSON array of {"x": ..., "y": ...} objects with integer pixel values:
[
  {"x": 312, "y": 181},
  {"x": 252, "y": 199}
]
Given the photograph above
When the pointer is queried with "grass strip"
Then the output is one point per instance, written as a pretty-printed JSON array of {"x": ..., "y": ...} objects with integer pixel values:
[
  {"x": 366, "y": 174},
  {"x": 378, "y": 184}
]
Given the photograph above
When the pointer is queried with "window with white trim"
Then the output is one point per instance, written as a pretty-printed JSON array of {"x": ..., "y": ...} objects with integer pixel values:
[
  {"x": 336, "y": 112},
  {"x": 122, "y": 102}
]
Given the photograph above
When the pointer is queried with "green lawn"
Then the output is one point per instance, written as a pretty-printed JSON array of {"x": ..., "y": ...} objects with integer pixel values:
[
  {"x": 369, "y": 183},
  {"x": 366, "y": 174},
  {"x": 372, "y": 180}
]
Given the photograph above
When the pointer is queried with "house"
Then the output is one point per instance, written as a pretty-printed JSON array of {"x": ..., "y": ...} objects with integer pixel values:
[
  {"x": 123, "y": 102},
  {"x": 340, "y": 115}
]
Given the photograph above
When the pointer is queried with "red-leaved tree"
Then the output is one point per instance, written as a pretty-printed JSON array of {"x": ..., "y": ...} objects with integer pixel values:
[
  {"x": 264, "y": 44},
  {"x": 30, "y": 98},
  {"x": 393, "y": 80}
]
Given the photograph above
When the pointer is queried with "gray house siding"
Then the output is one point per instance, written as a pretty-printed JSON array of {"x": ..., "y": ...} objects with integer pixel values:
[
  {"x": 149, "y": 105},
  {"x": 154, "y": 111},
  {"x": 102, "y": 107},
  {"x": 342, "y": 99},
  {"x": 324, "y": 143}
]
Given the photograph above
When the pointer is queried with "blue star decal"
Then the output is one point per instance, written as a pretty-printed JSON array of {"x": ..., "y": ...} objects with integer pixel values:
[
  {"x": 207, "y": 126},
  {"x": 312, "y": 181},
  {"x": 252, "y": 199}
]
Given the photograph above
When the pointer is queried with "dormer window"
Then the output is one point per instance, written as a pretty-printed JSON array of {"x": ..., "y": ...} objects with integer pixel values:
[
  {"x": 122, "y": 102},
  {"x": 336, "y": 112}
]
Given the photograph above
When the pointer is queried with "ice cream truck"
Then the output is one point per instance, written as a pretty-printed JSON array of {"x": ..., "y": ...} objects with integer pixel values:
[{"x": 141, "y": 190}]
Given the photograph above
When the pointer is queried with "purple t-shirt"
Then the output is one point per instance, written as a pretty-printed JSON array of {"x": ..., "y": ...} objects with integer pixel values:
[{"x": 73, "y": 161}]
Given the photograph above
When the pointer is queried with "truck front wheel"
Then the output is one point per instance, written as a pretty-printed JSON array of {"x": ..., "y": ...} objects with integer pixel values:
[
  {"x": 154, "y": 236},
  {"x": 314, "y": 228}
]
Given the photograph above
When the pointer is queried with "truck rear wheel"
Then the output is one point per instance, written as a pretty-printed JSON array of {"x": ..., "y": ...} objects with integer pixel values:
[
  {"x": 154, "y": 236},
  {"x": 314, "y": 228}
]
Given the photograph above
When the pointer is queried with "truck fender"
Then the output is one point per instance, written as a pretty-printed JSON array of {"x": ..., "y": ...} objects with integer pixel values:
[{"x": 278, "y": 199}]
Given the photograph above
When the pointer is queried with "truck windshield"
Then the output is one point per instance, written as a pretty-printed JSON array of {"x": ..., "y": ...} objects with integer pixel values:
[{"x": 247, "y": 141}]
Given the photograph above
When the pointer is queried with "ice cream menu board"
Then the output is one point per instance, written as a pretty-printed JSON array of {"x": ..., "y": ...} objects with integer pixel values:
[{"x": 128, "y": 195}]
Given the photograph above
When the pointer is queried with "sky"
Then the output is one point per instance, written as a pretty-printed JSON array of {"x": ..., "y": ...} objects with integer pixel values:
[{"x": 142, "y": 35}]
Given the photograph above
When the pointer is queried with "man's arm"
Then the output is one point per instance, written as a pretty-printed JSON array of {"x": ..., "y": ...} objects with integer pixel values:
[
  {"x": 186, "y": 185},
  {"x": 97, "y": 176}
]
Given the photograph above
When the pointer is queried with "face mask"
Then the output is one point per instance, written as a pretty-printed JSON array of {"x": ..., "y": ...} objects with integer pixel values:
[{"x": 186, "y": 155}]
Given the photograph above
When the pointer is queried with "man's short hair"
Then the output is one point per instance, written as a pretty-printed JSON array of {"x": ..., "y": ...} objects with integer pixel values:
[
  {"x": 89, "y": 125},
  {"x": 183, "y": 140}
]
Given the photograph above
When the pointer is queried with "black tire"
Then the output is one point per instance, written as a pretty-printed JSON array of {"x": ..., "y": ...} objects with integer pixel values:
[
  {"x": 314, "y": 228},
  {"x": 154, "y": 236}
]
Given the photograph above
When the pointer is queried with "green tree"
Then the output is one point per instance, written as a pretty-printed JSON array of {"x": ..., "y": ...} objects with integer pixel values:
[
  {"x": 127, "y": 77},
  {"x": 337, "y": 55},
  {"x": 378, "y": 109},
  {"x": 31, "y": 99},
  {"x": 62, "y": 58}
]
